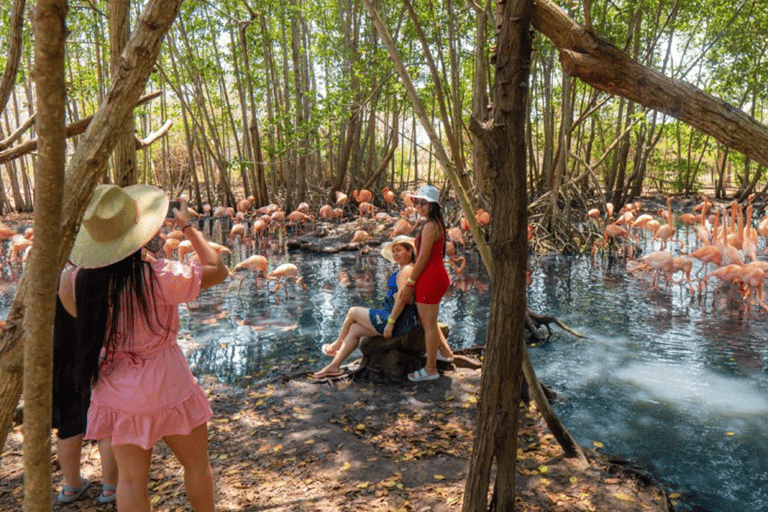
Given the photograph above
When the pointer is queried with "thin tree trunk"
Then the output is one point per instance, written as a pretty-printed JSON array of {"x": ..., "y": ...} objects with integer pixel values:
[
  {"x": 124, "y": 157},
  {"x": 483, "y": 185},
  {"x": 272, "y": 84},
  {"x": 449, "y": 130},
  {"x": 15, "y": 41},
  {"x": 43, "y": 267},
  {"x": 504, "y": 139},
  {"x": 298, "y": 106}
]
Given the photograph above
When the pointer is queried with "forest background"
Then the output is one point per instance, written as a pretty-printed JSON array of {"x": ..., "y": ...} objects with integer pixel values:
[
  {"x": 290, "y": 102},
  {"x": 260, "y": 95}
]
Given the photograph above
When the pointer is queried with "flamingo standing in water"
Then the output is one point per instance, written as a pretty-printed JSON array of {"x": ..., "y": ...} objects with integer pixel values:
[
  {"x": 457, "y": 262},
  {"x": 750, "y": 281},
  {"x": 256, "y": 263},
  {"x": 749, "y": 244},
  {"x": 286, "y": 271},
  {"x": 666, "y": 233},
  {"x": 661, "y": 262}
]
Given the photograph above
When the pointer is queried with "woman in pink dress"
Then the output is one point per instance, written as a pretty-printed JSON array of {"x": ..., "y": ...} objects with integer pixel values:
[{"x": 126, "y": 304}]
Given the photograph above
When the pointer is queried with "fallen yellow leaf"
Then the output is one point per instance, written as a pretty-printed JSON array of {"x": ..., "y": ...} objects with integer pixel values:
[{"x": 624, "y": 497}]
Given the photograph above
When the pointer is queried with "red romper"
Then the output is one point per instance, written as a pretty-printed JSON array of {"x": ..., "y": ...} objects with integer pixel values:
[{"x": 433, "y": 281}]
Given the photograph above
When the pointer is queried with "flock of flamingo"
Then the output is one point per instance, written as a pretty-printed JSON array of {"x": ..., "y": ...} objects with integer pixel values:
[
  {"x": 725, "y": 238},
  {"x": 256, "y": 228}
]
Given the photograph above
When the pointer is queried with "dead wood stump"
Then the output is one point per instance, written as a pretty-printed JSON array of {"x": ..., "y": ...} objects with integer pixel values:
[{"x": 392, "y": 359}]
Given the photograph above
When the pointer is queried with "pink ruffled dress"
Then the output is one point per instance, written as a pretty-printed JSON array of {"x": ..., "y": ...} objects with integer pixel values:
[{"x": 150, "y": 393}]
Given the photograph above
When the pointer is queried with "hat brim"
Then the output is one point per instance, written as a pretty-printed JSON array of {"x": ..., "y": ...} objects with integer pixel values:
[
  {"x": 386, "y": 250},
  {"x": 426, "y": 198},
  {"x": 152, "y": 205}
]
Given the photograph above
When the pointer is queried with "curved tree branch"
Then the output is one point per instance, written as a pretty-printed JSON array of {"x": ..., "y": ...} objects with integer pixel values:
[{"x": 600, "y": 64}]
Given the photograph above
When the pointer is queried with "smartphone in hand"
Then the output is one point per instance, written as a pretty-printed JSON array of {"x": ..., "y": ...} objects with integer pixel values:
[
  {"x": 171, "y": 206},
  {"x": 155, "y": 244}
]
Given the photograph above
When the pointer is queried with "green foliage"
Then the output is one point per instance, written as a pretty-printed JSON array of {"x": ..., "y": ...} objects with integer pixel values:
[{"x": 353, "y": 74}]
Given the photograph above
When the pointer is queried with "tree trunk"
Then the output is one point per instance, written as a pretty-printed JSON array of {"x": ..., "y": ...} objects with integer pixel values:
[
  {"x": 483, "y": 185},
  {"x": 124, "y": 157},
  {"x": 84, "y": 171},
  {"x": 300, "y": 98},
  {"x": 504, "y": 139},
  {"x": 449, "y": 130},
  {"x": 50, "y": 35},
  {"x": 8, "y": 79}
]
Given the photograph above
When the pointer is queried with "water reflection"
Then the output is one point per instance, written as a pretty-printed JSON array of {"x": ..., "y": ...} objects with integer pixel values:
[{"x": 242, "y": 330}]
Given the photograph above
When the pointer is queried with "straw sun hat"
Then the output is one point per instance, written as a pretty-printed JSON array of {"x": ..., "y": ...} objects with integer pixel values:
[
  {"x": 428, "y": 192},
  {"x": 386, "y": 249},
  {"x": 117, "y": 223}
]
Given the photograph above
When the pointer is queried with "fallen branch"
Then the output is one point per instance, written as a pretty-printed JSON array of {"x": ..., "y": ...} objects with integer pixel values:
[{"x": 545, "y": 320}]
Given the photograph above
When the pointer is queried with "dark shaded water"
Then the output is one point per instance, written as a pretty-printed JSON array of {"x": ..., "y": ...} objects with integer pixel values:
[{"x": 676, "y": 383}]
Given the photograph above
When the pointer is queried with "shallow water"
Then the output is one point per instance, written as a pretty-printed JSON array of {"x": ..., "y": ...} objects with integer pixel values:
[
  {"x": 243, "y": 331},
  {"x": 676, "y": 383}
]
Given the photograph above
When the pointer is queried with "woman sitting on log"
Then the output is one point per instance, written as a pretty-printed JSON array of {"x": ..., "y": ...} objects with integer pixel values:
[{"x": 396, "y": 319}]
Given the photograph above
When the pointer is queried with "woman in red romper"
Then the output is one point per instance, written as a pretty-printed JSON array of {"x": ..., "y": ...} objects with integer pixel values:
[{"x": 429, "y": 280}]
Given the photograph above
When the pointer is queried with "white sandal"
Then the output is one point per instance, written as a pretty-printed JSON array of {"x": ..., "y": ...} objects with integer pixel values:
[{"x": 421, "y": 376}]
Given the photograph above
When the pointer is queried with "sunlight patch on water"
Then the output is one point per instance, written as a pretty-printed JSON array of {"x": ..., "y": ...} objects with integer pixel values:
[{"x": 687, "y": 386}]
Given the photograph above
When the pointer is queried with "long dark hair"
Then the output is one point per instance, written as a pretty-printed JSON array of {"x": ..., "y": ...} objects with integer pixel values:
[
  {"x": 436, "y": 214},
  {"x": 106, "y": 298}
]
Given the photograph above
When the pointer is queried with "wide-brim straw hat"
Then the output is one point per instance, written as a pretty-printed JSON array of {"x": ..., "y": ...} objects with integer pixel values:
[
  {"x": 386, "y": 249},
  {"x": 428, "y": 192},
  {"x": 117, "y": 223}
]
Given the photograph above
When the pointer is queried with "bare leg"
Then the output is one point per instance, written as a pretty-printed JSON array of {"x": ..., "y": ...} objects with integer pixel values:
[
  {"x": 432, "y": 335},
  {"x": 355, "y": 314},
  {"x": 68, "y": 452},
  {"x": 192, "y": 452},
  {"x": 357, "y": 331},
  {"x": 108, "y": 464},
  {"x": 132, "y": 474},
  {"x": 444, "y": 348}
]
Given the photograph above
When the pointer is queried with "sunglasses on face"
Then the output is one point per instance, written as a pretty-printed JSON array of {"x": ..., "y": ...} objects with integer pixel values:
[{"x": 419, "y": 202}]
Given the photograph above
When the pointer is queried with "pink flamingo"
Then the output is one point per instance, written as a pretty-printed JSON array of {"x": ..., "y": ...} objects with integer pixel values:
[{"x": 286, "y": 271}]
